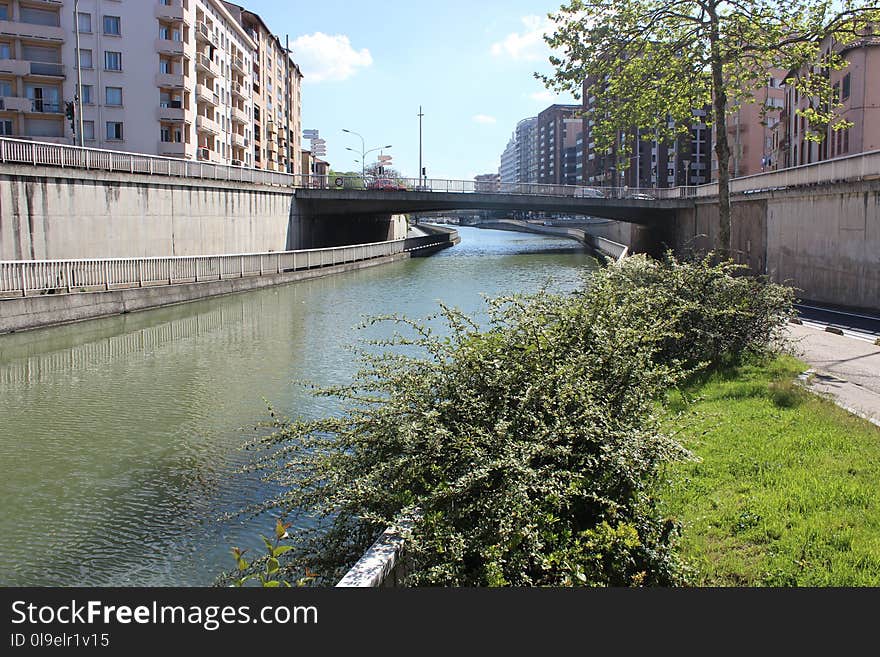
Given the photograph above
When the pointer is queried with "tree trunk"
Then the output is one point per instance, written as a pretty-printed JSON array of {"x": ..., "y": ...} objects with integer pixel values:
[{"x": 722, "y": 146}]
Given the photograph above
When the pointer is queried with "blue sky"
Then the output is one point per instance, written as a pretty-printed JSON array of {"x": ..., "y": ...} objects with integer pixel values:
[{"x": 369, "y": 65}]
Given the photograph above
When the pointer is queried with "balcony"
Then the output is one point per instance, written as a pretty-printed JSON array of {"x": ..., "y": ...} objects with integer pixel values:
[
  {"x": 169, "y": 12},
  {"x": 238, "y": 65},
  {"x": 41, "y": 106},
  {"x": 205, "y": 154},
  {"x": 32, "y": 31},
  {"x": 205, "y": 95},
  {"x": 169, "y": 47},
  {"x": 239, "y": 140},
  {"x": 271, "y": 147},
  {"x": 170, "y": 80},
  {"x": 171, "y": 148},
  {"x": 239, "y": 116},
  {"x": 205, "y": 35},
  {"x": 204, "y": 124},
  {"x": 46, "y": 69},
  {"x": 15, "y": 104},
  {"x": 15, "y": 67},
  {"x": 204, "y": 63},
  {"x": 238, "y": 90},
  {"x": 172, "y": 112}
]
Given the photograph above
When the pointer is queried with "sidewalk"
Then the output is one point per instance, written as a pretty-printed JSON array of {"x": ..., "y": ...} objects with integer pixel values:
[{"x": 846, "y": 368}]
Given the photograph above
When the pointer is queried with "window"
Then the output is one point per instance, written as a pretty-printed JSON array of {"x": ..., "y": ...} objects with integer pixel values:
[
  {"x": 114, "y": 130},
  {"x": 112, "y": 60},
  {"x": 89, "y": 130},
  {"x": 4, "y": 12},
  {"x": 5, "y": 51},
  {"x": 84, "y": 22},
  {"x": 846, "y": 86},
  {"x": 5, "y": 88},
  {"x": 113, "y": 96},
  {"x": 6, "y": 128},
  {"x": 85, "y": 58},
  {"x": 112, "y": 25},
  {"x": 87, "y": 94}
]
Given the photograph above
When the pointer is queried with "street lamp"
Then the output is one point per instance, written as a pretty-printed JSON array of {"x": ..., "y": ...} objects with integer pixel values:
[{"x": 364, "y": 153}]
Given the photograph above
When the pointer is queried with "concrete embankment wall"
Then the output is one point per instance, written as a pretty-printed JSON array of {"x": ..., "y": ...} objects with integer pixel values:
[
  {"x": 825, "y": 241},
  {"x": 600, "y": 245},
  {"x": 50, "y": 213},
  {"x": 49, "y": 310}
]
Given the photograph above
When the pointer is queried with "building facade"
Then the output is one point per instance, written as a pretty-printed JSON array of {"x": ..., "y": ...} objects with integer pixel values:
[
  {"x": 178, "y": 78},
  {"x": 487, "y": 182},
  {"x": 277, "y": 97},
  {"x": 858, "y": 88},
  {"x": 507, "y": 170},
  {"x": 33, "y": 70},
  {"x": 556, "y": 126},
  {"x": 527, "y": 150}
]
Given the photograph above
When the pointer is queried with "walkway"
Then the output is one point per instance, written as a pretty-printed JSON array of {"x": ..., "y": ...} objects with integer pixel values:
[{"x": 846, "y": 368}]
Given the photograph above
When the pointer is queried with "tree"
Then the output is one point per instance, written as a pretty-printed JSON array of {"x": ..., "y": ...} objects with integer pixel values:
[{"x": 652, "y": 62}]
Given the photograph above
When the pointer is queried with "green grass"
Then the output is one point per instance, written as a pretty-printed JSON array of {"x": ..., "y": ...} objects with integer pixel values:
[{"x": 785, "y": 487}]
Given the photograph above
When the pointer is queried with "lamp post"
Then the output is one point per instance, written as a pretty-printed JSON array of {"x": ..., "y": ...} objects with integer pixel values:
[
  {"x": 352, "y": 132},
  {"x": 79, "y": 89},
  {"x": 364, "y": 154},
  {"x": 421, "y": 170}
]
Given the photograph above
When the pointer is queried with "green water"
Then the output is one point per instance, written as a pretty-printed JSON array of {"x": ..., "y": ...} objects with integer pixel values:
[{"x": 119, "y": 438}]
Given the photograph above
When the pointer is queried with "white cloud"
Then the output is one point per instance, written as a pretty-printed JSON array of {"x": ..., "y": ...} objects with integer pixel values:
[
  {"x": 528, "y": 45},
  {"x": 484, "y": 118},
  {"x": 542, "y": 96},
  {"x": 328, "y": 58}
]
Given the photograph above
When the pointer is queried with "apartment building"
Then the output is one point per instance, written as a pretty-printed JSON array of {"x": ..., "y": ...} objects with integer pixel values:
[
  {"x": 858, "y": 87},
  {"x": 487, "y": 182},
  {"x": 277, "y": 97},
  {"x": 557, "y": 127},
  {"x": 527, "y": 150},
  {"x": 32, "y": 69},
  {"x": 507, "y": 170}
]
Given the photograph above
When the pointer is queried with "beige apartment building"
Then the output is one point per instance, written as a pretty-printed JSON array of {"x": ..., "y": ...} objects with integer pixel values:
[
  {"x": 277, "y": 97},
  {"x": 32, "y": 69},
  {"x": 750, "y": 129},
  {"x": 196, "y": 79}
]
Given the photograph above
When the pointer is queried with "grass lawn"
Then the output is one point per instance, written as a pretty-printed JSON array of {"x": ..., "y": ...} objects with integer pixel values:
[{"x": 786, "y": 488}]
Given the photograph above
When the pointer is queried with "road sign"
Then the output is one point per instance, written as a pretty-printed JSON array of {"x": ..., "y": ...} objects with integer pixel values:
[
  {"x": 310, "y": 134},
  {"x": 385, "y": 158}
]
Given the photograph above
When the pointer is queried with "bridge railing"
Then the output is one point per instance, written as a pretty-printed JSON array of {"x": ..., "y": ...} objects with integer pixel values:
[
  {"x": 22, "y": 151},
  {"x": 22, "y": 278}
]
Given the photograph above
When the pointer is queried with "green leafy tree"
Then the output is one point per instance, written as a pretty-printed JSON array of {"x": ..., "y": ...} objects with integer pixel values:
[{"x": 655, "y": 61}]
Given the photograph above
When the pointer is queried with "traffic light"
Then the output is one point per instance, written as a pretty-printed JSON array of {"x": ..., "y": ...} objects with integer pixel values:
[{"x": 70, "y": 112}]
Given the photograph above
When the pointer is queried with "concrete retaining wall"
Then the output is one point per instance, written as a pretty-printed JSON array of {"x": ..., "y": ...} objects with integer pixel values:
[
  {"x": 825, "y": 241},
  {"x": 49, "y": 310},
  {"x": 49, "y": 213}
]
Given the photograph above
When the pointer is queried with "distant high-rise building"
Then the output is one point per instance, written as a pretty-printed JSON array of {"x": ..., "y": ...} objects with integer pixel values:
[
  {"x": 507, "y": 170},
  {"x": 557, "y": 128},
  {"x": 487, "y": 182},
  {"x": 527, "y": 151}
]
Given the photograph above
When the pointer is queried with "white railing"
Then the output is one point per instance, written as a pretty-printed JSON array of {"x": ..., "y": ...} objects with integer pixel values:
[
  {"x": 21, "y": 278},
  {"x": 858, "y": 167},
  {"x": 20, "y": 151}
]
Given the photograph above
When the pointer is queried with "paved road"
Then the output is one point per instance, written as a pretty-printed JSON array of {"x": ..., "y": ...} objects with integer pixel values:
[
  {"x": 854, "y": 324},
  {"x": 846, "y": 367}
]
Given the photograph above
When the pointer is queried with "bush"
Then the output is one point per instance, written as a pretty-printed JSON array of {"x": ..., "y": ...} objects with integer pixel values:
[{"x": 529, "y": 447}]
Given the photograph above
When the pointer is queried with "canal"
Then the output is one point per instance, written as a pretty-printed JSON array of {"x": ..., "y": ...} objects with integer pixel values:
[{"x": 120, "y": 438}]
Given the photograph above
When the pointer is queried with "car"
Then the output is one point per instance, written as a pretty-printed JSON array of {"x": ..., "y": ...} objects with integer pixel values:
[
  {"x": 640, "y": 196},
  {"x": 589, "y": 192},
  {"x": 385, "y": 184}
]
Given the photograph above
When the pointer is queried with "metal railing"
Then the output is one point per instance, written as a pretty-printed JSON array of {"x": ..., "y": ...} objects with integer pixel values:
[
  {"x": 850, "y": 168},
  {"x": 21, "y": 151},
  {"x": 21, "y": 278}
]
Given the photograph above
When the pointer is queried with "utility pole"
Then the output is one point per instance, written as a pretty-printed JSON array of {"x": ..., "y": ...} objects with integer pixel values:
[
  {"x": 79, "y": 86},
  {"x": 421, "y": 170}
]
